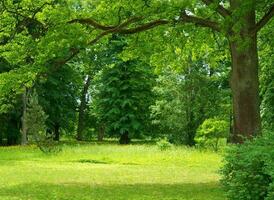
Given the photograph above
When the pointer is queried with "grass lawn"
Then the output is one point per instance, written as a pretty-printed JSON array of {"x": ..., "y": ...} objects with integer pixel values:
[{"x": 109, "y": 172}]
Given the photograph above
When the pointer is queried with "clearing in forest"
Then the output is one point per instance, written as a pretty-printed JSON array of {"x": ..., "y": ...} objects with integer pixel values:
[{"x": 109, "y": 172}]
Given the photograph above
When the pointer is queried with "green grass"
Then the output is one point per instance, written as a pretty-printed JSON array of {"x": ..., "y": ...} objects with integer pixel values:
[{"x": 109, "y": 172}]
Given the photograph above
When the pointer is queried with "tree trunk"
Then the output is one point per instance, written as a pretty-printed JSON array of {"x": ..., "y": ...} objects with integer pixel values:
[
  {"x": 101, "y": 133},
  {"x": 124, "y": 139},
  {"x": 1, "y": 138},
  {"x": 56, "y": 132},
  {"x": 191, "y": 126},
  {"x": 244, "y": 79},
  {"x": 23, "y": 119},
  {"x": 82, "y": 108}
]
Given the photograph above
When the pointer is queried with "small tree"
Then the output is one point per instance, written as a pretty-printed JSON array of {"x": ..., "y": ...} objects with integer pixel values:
[
  {"x": 210, "y": 132},
  {"x": 35, "y": 119}
]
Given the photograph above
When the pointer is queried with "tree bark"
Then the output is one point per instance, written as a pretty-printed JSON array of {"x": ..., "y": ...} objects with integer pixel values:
[
  {"x": 244, "y": 79},
  {"x": 82, "y": 108},
  {"x": 1, "y": 138},
  {"x": 23, "y": 119},
  {"x": 124, "y": 139},
  {"x": 101, "y": 133},
  {"x": 56, "y": 132}
]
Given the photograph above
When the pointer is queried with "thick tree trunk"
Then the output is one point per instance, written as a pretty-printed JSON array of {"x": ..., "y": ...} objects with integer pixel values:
[
  {"x": 244, "y": 79},
  {"x": 82, "y": 108},
  {"x": 23, "y": 119},
  {"x": 56, "y": 132},
  {"x": 245, "y": 91},
  {"x": 124, "y": 139}
]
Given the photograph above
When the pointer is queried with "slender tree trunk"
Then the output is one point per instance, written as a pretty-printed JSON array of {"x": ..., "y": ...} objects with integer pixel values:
[
  {"x": 101, "y": 133},
  {"x": 245, "y": 79},
  {"x": 23, "y": 119},
  {"x": 1, "y": 138},
  {"x": 56, "y": 132},
  {"x": 82, "y": 108},
  {"x": 229, "y": 140},
  {"x": 190, "y": 127}
]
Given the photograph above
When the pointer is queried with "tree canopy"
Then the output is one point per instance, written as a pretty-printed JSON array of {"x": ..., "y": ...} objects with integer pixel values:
[{"x": 40, "y": 40}]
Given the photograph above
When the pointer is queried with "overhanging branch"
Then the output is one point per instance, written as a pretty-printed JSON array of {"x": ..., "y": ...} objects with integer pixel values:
[
  {"x": 121, "y": 29},
  {"x": 220, "y": 9},
  {"x": 266, "y": 18},
  {"x": 144, "y": 27},
  {"x": 97, "y": 25},
  {"x": 199, "y": 21},
  {"x": 91, "y": 22},
  {"x": 124, "y": 28}
]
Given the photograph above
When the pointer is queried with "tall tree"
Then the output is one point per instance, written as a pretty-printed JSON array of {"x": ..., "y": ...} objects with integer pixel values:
[
  {"x": 58, "y": 96},
  {"x": 82, "y": 108},
  {"x": 236, "y": 20},
  {"x": 124, "y": 96},
  {"x": 186, "y": 97}
]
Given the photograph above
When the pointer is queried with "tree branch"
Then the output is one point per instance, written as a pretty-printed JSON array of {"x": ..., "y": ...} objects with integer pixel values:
[
  {"x": 220, "y": 9},
  {"x": 266, "y": 18},
  {"x": 199, "y": 21},
  {"x": 40, "y": 9},
  {"x": 144, "y": 27},
  {"x": 117, "y": 29},
  {"x": 91, "y": 22},
  {"x": 95, "y": 24},
  {"x": 121, "y": 28},
  {"x": 26, "y": 21}
]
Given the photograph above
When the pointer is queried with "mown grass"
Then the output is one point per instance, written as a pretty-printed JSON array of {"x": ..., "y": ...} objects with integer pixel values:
[{"x": 109, "y": 172}]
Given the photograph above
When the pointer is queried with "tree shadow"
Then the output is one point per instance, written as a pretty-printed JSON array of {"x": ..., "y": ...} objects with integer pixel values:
[{"x": 75, "y": 191}]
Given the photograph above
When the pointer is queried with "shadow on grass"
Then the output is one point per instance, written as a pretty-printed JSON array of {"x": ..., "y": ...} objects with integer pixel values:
[
  {"x": 75, "y": 191},
  {"x": 92, "y": 161}
]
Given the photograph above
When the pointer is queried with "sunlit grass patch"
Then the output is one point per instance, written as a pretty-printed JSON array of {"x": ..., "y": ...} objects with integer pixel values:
[{"x": 109, "y": 171}]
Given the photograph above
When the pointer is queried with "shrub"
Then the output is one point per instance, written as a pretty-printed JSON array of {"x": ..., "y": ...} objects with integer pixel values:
[
  {"x": 164, "y": 144},
  {"x": 210, "y": 132},
  {"x": 249, "y": 170}
]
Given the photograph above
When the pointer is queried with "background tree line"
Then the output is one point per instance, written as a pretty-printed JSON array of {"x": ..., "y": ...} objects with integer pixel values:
[{"x": 133, "y": 80}]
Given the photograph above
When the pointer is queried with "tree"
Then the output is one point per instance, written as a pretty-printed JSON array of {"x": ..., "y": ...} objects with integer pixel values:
[
  {"x": 34, "y": 119},
  {"x": 238, "y": 24},
  {"x": 235, "y": 20},
  {"x": 210, "y": 132},
  {"x": 58, "y": 96},
  {"x": 124, "y": 96},
  {"x": 82, "y": 108},
  {"x": 187, "y": 96}
]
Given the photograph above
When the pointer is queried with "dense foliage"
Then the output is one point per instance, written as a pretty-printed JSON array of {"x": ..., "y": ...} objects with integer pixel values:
[
  {"x": 124, "y": 97},
  {"x": 188, "y": 96},
  {"x": 193, "y": 72},
  {"x": 210, "y": 132},
  {"x": 248, "y": 173},
  {"x": 51, "y": 46}
]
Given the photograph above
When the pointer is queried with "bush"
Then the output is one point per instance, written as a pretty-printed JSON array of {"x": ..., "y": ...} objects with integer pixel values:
[
  {"x": 210, "y": 132},
  {"x": 164, "y": 144},
  {"x": 249, "y": 170}
]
